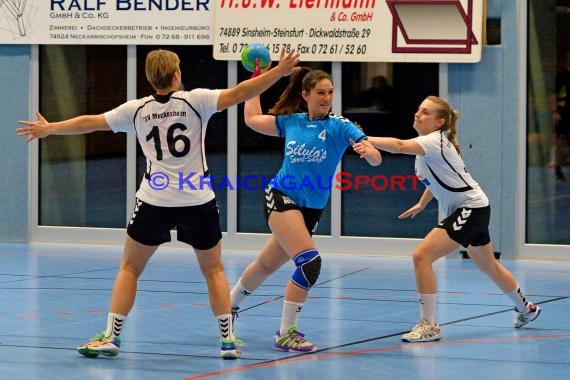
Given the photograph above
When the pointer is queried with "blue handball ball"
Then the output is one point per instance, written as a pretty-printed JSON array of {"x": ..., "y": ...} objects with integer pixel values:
[{"x": 253, "y": 51}]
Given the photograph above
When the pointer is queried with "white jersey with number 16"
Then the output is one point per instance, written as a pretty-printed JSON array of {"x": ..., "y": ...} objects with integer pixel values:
[{"x": 171, "y": 130}]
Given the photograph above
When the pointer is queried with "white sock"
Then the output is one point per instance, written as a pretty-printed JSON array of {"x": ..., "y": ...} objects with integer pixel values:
[
  {"x": 518, "y": 298},
  {"x": 238, "y": 293},
  {"x": 225, "y": 326},
  {"x": 290, "y": 315},
  {"x": 114, "y": 324},
  {"x": 427, "y": 307}
]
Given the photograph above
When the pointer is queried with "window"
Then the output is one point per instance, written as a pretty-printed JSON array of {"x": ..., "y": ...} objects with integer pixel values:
[
  {"x": 82, "y": 178},
  {"x": 548, "y": 155},
  {"x": 382, "y": 98}
]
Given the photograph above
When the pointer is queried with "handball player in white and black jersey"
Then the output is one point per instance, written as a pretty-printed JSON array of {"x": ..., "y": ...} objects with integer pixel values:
[
  {"x": 464, "y": 213},
  {"x": 171, "y": 127}
]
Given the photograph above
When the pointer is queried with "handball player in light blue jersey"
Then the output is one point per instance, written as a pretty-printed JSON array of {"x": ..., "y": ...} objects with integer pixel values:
[{"x": 315, "y": 140}]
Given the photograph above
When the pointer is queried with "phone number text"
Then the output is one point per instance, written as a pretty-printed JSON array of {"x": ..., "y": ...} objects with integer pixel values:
[{"x": 320, "y": 49}]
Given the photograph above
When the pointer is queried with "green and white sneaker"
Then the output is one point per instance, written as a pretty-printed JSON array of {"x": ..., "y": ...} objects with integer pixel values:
[
  {"x": 100, "y": 345},
  {"x": 293, "y": 341},
  {"x": 230, "y": 349},
  {"x": 423, "y": 332}
]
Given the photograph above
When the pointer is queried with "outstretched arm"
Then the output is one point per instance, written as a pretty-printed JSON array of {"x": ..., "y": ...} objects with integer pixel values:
[
  {"x": 75, "y": 126},
  {"x": 255, "y": 86},
  {"x": 393, "y": 145}
]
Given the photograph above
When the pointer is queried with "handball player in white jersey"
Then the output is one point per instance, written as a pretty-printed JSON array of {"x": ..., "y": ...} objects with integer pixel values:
[
  {"x": 463, "y": 207},
  {"x": 171, "y": 127}
]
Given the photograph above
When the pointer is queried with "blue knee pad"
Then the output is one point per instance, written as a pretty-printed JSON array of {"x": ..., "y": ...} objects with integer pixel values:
[{"x": 308, "y": 268}]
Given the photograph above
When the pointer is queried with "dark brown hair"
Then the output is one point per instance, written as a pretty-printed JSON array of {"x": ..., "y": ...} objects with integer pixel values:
[{"x": 291, "y": 100}]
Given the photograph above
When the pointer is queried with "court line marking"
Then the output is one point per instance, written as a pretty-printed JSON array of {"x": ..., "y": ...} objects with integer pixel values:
[
  {"x": 27, "y": 277},
  {"x": 290, "y": 358},
  {"x": 314, "y": 286},
  {"x": 308, "y": 357},
  {"x": 316, "y": 355}
]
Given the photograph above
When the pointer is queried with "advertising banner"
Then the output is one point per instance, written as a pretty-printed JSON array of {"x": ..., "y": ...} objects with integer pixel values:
[
  {"x": 352, "y": 30},
  {"x": 106, "y": 22},
  {"x": 322, "y": 30}
]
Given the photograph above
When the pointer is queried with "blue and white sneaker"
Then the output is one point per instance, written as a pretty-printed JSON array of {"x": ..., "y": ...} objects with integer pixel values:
[
  {"x": 522, "y": 319},
  {"x": 230, "y": 349}
]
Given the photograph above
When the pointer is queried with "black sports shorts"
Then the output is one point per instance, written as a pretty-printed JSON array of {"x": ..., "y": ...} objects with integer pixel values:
[
  {"x": 468, "y": 226},
  {"x": 198, "y": 226},
  {"x": 276, "y": 200}
]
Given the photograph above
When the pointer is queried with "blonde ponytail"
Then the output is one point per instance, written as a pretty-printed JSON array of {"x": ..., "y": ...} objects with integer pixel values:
[{"x": 450, "y": 115}]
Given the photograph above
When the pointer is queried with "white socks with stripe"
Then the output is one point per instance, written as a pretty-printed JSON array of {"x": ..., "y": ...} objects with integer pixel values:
[
  {"x": 427, "y": 307},
  {"x": 518, "y": 298},
  {"x": 114, "y": 325},
  {"x": 290, "y": 315},
  {"x": 238, "y": 293},
  {"x": 225, "y": 325}
]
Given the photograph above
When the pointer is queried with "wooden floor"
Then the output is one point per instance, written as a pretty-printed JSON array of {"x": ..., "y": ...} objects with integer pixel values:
[{"x": 55, "y": 297}]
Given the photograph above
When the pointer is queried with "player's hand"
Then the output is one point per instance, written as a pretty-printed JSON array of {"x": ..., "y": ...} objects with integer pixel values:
[
  {"x": 33, "y": 129},
  {"x": 288, "y": 62},
  {"x": 367, "y": 151},
  {"x": 364, "y": 148},
  {"x": 412, "y": 211},
  {"x": 257, "y": 70},
  {"x": 359, "y": 147}
]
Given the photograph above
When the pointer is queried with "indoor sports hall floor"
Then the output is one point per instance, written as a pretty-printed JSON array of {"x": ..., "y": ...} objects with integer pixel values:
[{"x": 54, "y": 298}]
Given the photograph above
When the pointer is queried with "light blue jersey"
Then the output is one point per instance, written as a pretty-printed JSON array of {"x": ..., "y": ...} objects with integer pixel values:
[{"x": 313, "y": 149}]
